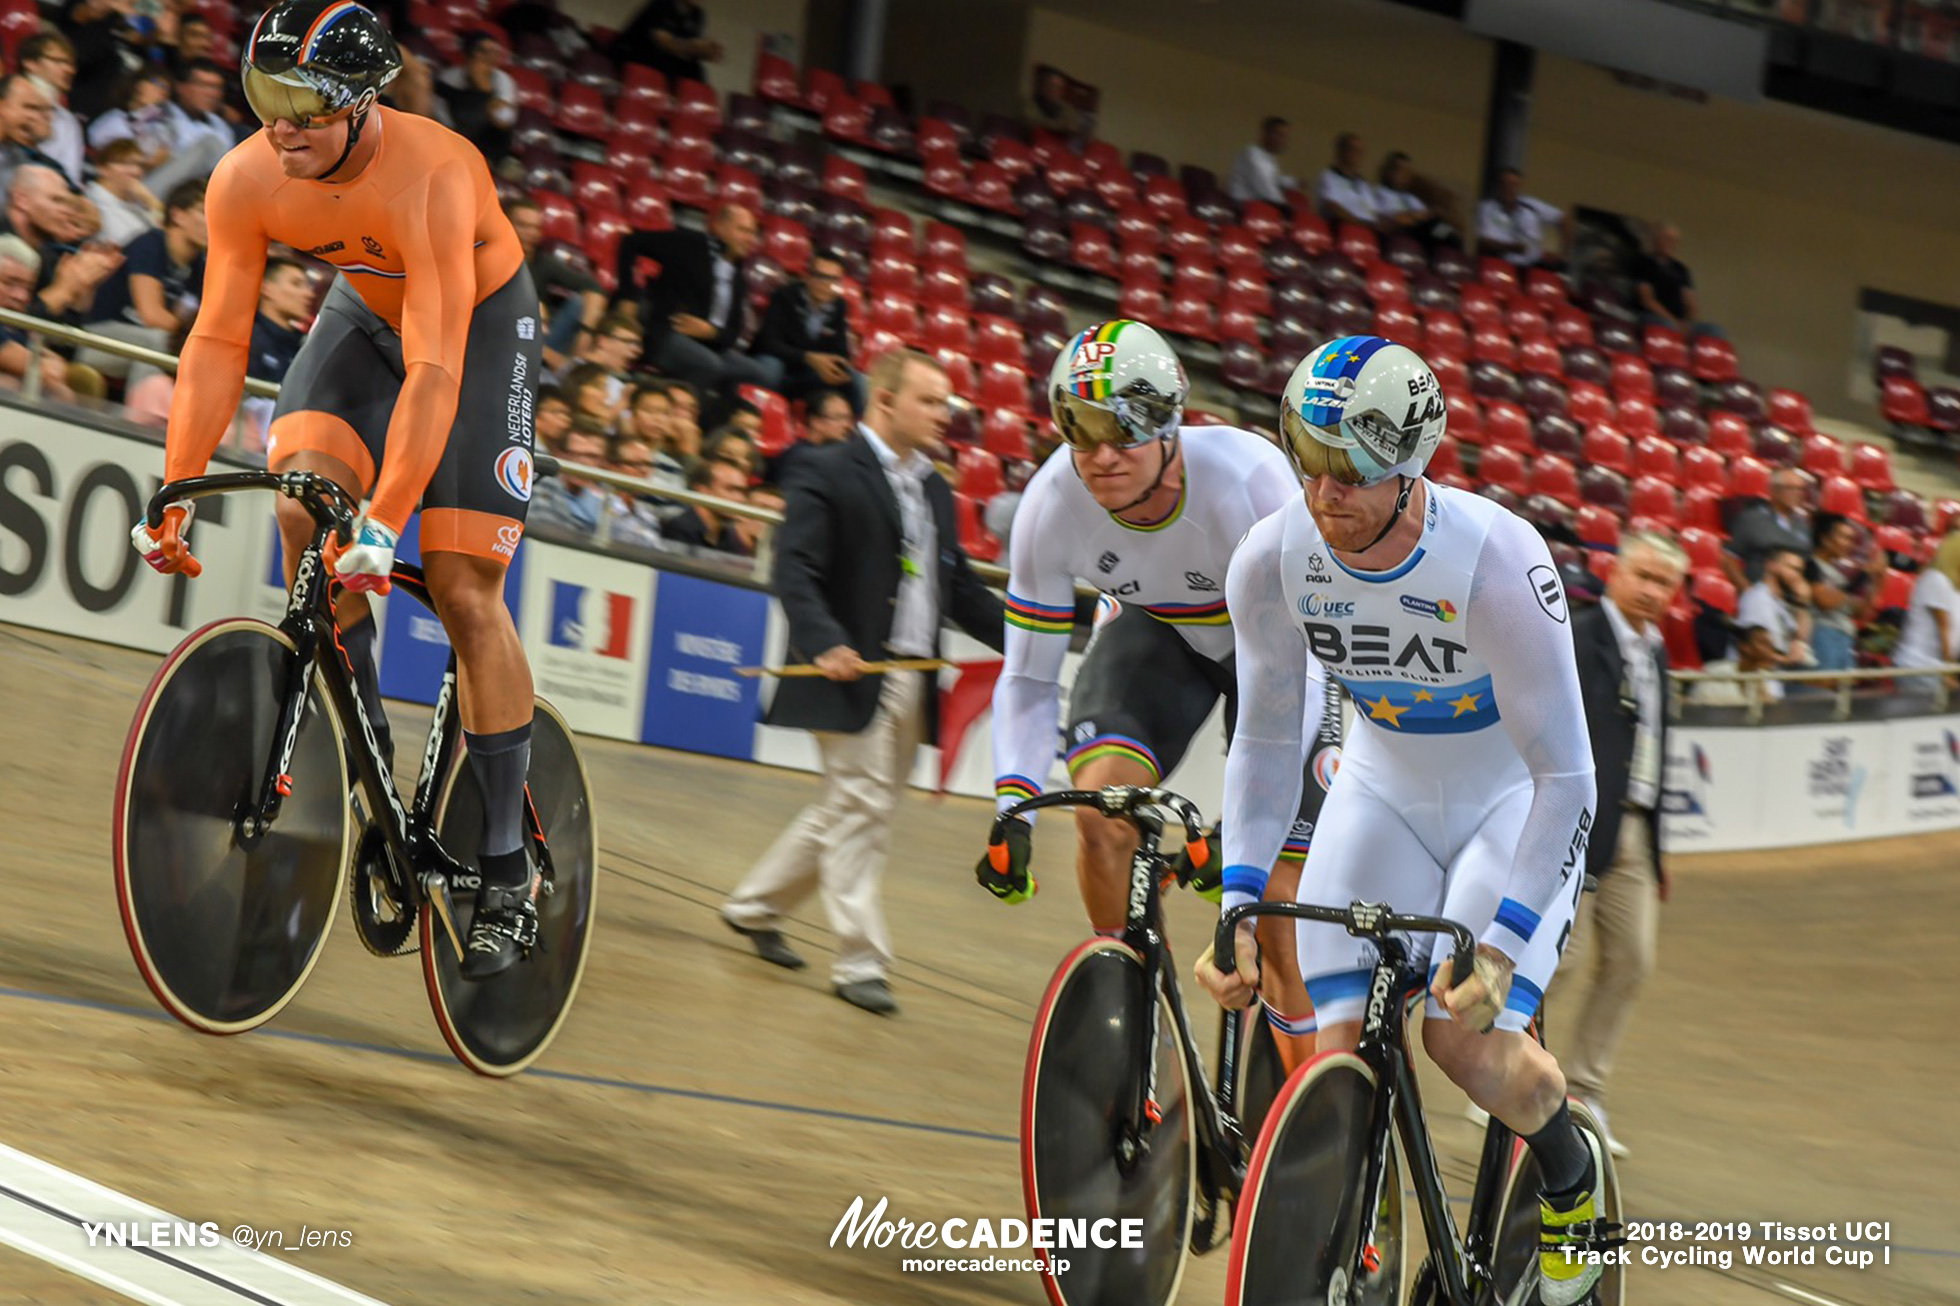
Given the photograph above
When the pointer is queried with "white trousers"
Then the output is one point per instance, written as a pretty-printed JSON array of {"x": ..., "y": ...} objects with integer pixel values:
[{"x": 839, "y": 843}]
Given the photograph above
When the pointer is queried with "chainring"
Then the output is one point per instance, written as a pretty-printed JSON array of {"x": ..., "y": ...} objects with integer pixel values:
[{"x": 385, "y": 922}]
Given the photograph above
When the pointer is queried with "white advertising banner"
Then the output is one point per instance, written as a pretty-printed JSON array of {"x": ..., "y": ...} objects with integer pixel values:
[
  {"x": 1921, "y": 777},
  {"x": 587, "y": 623},
  {"x": 1819, "y": 784},
  {"x": 68, "y": 496}
]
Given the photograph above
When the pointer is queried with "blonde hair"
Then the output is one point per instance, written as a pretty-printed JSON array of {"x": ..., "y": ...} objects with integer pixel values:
[
  {"x": 1660, "y": 544},
  {"x": 887, "y": 372}
]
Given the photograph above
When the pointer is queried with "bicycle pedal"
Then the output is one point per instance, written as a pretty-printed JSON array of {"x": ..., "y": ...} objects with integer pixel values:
[{"x": 1152, "y": 1112}]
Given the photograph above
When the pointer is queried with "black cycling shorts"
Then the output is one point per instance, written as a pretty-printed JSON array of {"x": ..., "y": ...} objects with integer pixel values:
[
  {"x": 340, "y": 393},
  {"x": 1142, "y": 693}
]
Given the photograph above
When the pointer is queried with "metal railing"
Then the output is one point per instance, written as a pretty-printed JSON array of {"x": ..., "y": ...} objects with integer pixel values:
[
  {"x": 40, "y": 330},
  {"x": 1841, "y": 683}
]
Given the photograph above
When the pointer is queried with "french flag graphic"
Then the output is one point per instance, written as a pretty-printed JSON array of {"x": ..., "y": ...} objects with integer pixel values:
[{"x": 591, "y": 620}]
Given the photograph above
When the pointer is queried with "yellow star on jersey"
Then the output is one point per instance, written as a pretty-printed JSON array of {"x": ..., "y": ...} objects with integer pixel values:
[
  {"x": 1424, "y": 696},
  {"x": 1383, "y": 710},
  {"x": 1468, "y": 703}
]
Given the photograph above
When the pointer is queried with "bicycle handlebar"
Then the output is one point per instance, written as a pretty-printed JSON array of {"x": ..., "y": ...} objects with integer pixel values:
[
  {"x": 1364, "y": 920},
  {"x": 327, "y": 502},
  {"x": 1131, "y": 802}
]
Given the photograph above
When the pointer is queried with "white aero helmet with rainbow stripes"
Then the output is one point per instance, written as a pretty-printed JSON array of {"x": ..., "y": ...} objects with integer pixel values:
[
  {"x": 1362, "y": 409},
  {"x": 1117, "y": 383}
]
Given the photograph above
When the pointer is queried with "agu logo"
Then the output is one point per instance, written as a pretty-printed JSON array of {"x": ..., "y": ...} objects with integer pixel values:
[
  {"x": 515, "y": 472},
  {"x": 1441, "y": 609},
  {"x": 590, "y": 620}
]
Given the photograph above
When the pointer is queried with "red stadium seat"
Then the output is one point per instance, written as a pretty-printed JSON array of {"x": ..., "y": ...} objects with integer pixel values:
[
  {"x": 1092, "y": 248},
  {"x": 1527, "y": 323},
  {"x": 1822, "y": 456},
  {"x": 1654, "y": 456},
  {"x": 1571, "y": 328},
  {"x": 1712, "y": 359},
  {"x": 1004, "y": 432},
  {"x": 775, "y": 79},
  {"x": 1245, "y": 288},
  {"x": 1841, "y": 495},
  {"x": 944, "y": 285},
  {"x": 643, "y": 87},
  {"x": 1790, "y": 410},
  {"x": 1453, "y": 374},
  {"x": 1399, "y": 323},
  {"x": 647, "y": 208},
  {"x": 1586, "y": 403},
  {"x": 945, "y": 327},
  {"x": 1540, "y": 356},
  {"x": 893, "y": 274},
  {"x": 696, "y": 104},
  {"x": 1597, "y": 526},
  {"x": 1871, "y": 468},
  {"x": 1729, "y": 435},
  {"x": 1632, "y": 377},
  {"x": 974, "y": 538},
  {"x": 1546, "y": 289},
  {"x": 892, "y": 235},
  {"x": 1554, "y": 476},
  {"x": 1359, "y": 243},
  {"x": 1502, "y": 466},
  {"x": 1704, "y": 467},
  {"x": 558, "y": 216},
  {"x": 1237, "y": 247},
  {"x": 1703, "y": 547},
  {"x": 1654, "y": 498},
  {"x": 1701, "y": 505},
  {"x": 1749, "y": 479},
  {"x": 1608, "y": 447},
  {"x": 1444, "y": 336},
  {"x": 1004, "y": 388},
  {"x": 998, "y": 340},
  {"x": 738, "y": 186},
  {"x": 1237, "y": 321},
  {"x": 899, "y": 316},
  {"x": 1310, "y": 232},
  {"x": 1386, "y": 285},
  {"x": 1163, "y": 197},
  {"x": 1480, "y": 307},
  {"x": 1507, "y": 425},
  {"x": 1711, "y": 587},
  {"x": 1902, "y": 400},
  {"x": 843, "y": 179},
  {"x": 1638, "y": 417},
  {"x": 1263, "y": 220},
  {"x": 1605, "y": 487},
  {"x": 1663, "y": 347},
  {"x": 582, "y": 111},
  {"x": 1188, "y": 238},
  {"x": 1190, "y": 313},
  {"x": 1446, "y": 461},
  {"x": 1500, "y": 275},
  {"x": 1140, "y": 300},
  {"x": 1492, "y": 344},
  {"x": 1466, "y": 420},
  {"x": 989, "y": 187}
]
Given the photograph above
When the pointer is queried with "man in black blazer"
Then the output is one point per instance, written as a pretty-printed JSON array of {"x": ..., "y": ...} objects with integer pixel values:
[
  {"x": 807, "y": 329},
  {"x": 694, "y": 304},
  {"x": 868, "y": 562},
  {"x": 1623, "y": 680}
]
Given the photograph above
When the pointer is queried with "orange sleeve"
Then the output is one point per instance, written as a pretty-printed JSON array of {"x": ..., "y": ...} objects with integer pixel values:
[
  {"x": 438, "y": 300},
  {"x": 211, "y": 369}
]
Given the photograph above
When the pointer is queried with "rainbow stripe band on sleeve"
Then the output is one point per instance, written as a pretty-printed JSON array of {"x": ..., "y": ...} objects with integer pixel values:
[
  {"x": 1114, "y": 746},
  {"x": 1041, "y": 618},
  {"x": 1294, "y": 850},
  {"x": 1190, "y": 614},
  {"x": 1016, "y": 788}
]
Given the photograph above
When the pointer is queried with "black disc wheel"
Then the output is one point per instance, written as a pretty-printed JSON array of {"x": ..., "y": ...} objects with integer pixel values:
[
  {"x": 1298, "y": 1228},
  {"x": 1084, "y": 1157},
  {"x": 500, "y": 1025},
  {"x": 225, "y": 927},
  {"x": 384, "y": 909},
  {"x": 1516, "y": 1261}
]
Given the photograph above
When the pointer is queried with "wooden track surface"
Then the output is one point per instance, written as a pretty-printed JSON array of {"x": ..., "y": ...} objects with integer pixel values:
[{"x": 704, "y": 1119}]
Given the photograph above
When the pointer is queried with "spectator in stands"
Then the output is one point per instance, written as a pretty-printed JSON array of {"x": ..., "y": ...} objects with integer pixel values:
[
  {"x": 1342, "y": 194},
  {"x": 570, "y": 504},
  {"x": 1256, "y": 172},
  {"x": 589, "y": 388},
  {"x": 828, "y": 418},
  {"x": 25, "y": 121},
  {"x": 633, "y": 521},
  {"x": 193, "y": 44},
  {"x": 551, "y": 419},
  {"x": 1055, "y": 104},
  {"x": 197, "y": 132},
  {"x": 704, "y": 528},
  {"x": 1512, "y": 225},
  {"x": 20, "y": 268},
  {"x": 1399, "y": 209},
  {"x": 997, "y": 515},
  {"x": 119, "y": 195},
  {"x": 573, "y": 299},
  {"x": 806, "y": 327},
  {"x": 1760, "y": 528},
  {"x": 138, "y": 115},
  {"x": 1781, "y": 602},
  {"x": 49, "y": 60},
  {"x": 39, "y": 212},
  {"x": 650, "y": 416},
  {"x": 1666, "y": 289},
  {"x": 1932, "y": 622},
  {"x": 478, "y": 98},
  {"x": 101, "y": 31},
  {"x": 667, "y": 35},
  {"x": 285, "y": 302},
  {"x": 1841, "y": 591},
  {"x": 692, "y": 312},
  {"x": 154, "y": 294},
  {"x": 752, "y": 529},
  {"x": 1755, "y": 650},
  {"x": 734, "y": 446},
  {"x": 616, "y": 346}
]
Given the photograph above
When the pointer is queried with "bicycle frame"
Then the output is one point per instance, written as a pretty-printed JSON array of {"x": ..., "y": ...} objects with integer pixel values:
[
  {"x": 309, "y": 623},
  {"x": 1212, "y": 1109},
  {"x": 1463, "y": 1265}
]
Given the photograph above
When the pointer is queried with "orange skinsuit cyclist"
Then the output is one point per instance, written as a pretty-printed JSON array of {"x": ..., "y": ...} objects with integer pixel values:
[{"x": 425, "y": 350}]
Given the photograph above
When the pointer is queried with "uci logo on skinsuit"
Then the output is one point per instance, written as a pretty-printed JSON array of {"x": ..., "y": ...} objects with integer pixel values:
[{"x": 514, "y": 472}]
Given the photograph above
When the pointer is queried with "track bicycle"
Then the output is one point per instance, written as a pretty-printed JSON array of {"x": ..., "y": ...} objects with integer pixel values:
[
  {"x": 234, "y": 833},
  {"x": 1118, "y": 1117},
  {"x": 1324, "y": 1160}
]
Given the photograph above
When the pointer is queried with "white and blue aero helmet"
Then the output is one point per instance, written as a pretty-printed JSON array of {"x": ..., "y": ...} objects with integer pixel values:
[{"x": 1362, "y": 409}]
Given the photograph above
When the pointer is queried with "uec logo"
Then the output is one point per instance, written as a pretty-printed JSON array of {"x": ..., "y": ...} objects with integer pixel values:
[
  {"x": 1313, "y": 605},
  {"x": 514, "y": 472}
]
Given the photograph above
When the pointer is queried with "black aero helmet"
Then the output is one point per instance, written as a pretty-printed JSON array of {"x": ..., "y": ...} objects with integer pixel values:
[{"x": 313, "y": 63}]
